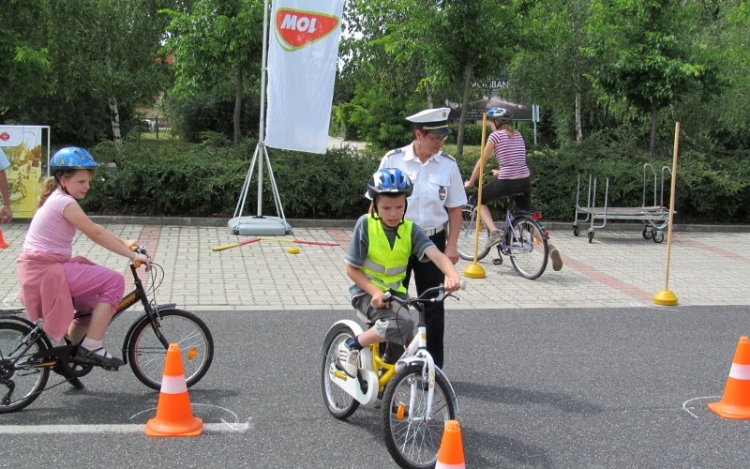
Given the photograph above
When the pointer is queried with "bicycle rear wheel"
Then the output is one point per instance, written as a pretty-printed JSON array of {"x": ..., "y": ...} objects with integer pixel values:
[
  {"x": 411, "y": 436},
  {"x": 467, "y": 236},
  {"x": 147, "y": 354},
  {"x": 339, "y": 403},
  {"x": 528, "y": 248},
  {"x": 22, "y": 378}
]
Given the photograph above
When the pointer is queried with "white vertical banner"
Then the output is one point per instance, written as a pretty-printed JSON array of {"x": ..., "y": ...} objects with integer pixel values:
[{"x": 302, "y": 57}]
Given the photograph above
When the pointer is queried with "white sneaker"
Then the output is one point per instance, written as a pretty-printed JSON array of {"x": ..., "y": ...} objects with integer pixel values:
[
  {"x": 495, "y": 238},
  {"x": 348, "y": 359}
]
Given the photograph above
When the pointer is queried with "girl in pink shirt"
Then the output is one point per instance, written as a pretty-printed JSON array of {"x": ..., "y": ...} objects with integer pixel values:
[{"x": 54, "y": 285}]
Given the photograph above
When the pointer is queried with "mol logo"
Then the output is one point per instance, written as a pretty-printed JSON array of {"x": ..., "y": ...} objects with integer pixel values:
[{"x": 296, "y": 28}]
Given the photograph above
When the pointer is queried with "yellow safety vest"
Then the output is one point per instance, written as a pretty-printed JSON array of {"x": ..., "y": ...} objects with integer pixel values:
[{"x": 386, "y": 267}]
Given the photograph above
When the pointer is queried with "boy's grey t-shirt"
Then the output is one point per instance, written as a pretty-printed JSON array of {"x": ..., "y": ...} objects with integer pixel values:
[{"x": 357, "y": 252}]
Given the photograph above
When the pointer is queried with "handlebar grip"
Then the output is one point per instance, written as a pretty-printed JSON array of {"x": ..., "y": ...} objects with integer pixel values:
[
  {"x": 139, "y": 250},
  {"x": 463, "y": 283},
  {"x": 387, "y": 296}
]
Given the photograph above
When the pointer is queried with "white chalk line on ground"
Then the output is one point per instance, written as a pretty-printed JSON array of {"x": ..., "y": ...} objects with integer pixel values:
[{"x": 131, "y": 428}]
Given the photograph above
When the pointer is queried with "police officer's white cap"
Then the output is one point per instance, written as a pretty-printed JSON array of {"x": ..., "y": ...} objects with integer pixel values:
[{"x": 432, "y": 120}]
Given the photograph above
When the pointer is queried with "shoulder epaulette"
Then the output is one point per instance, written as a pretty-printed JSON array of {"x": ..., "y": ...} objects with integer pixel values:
[
  {"x": 442, "y": 153},
  {"x": 394, "y": 151}
]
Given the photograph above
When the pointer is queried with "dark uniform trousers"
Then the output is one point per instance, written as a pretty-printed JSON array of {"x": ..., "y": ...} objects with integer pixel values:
[{"x": 426, "y": 276}]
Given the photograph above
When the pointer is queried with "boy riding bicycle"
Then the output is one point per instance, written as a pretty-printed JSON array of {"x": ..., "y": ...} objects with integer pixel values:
[{"x": 376, "y": 261}]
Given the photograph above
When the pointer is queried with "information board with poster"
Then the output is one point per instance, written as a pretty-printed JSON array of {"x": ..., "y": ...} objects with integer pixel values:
[{"x": 22, "y": 146}]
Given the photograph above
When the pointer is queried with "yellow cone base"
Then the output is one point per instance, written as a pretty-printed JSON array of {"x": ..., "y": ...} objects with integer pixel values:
[
  {"x": 665, "y": 298},
  {"x": 474, "y": 271}
]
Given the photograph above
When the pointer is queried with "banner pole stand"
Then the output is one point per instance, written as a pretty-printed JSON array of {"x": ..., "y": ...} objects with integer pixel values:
[{"x": 260, "y": 225}]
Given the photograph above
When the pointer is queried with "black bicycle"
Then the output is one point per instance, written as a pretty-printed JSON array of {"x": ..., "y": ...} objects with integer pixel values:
[{"x": 27, "y": 355}]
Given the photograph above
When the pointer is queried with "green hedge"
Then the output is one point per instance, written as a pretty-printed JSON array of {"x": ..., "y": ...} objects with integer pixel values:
[{"x": 204, "y": 180}]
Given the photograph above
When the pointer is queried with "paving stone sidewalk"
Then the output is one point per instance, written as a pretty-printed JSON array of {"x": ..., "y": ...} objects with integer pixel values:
[{"x": 619, "y": 268}]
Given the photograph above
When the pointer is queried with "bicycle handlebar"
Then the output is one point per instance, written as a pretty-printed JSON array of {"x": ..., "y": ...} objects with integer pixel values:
[
  {"x": 139, "y": 250},
  {"x": 441, "y": 296}
]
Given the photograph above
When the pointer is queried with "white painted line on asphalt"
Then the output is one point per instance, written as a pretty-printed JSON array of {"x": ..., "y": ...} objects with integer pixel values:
[{"x": 133, "y": 428}]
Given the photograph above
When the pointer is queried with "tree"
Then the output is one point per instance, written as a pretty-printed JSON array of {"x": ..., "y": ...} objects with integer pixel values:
[
  {"x": 645, "y": 53},
  {"x": 24, "y": 58},
  {"x": 216, "y": 46}
]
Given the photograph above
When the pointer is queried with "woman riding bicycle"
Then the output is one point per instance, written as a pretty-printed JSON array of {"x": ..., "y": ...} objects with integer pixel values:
[
  {"x": 53, "y": 284},
  {"x": 513, "y": 175}
]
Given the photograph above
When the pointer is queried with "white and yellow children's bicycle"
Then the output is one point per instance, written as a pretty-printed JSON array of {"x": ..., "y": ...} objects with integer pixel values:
[{"x": 415, "y": 395}]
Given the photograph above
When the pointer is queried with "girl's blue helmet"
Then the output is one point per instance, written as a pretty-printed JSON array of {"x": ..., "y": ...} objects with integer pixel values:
[
  {"x": 500, "y": 114},
  {"x": 72, "y": 158}
]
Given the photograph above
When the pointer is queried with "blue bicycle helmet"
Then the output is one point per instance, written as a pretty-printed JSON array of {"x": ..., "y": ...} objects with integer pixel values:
[
  {"x": 72, "y": 158},
  {"x": 500, "y": 114},
  {"x": 389, "y": 181}
]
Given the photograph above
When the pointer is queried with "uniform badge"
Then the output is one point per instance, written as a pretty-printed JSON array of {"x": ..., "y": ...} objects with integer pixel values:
[{"x": 441, "y": 192}]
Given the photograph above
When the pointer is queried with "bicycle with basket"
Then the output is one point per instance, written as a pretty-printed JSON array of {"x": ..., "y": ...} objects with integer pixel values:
[{"x": 27, "y": 354}]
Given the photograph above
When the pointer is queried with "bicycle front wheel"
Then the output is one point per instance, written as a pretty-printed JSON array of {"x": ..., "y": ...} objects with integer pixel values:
[
  {"x": 22, "y": 378},
  {"x": 411, "y": 435},
  {"x": 339, "y": 403},
  {"x": 467, "y": 236},
  {"x": 147, "y": 354},
  {"x": 528, "y": 248}
]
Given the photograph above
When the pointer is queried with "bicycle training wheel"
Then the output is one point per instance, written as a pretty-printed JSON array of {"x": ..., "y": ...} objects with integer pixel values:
[
  {"x": 22, "y": 378},
  {"x": 528, "y": 248},
  {"x": 411, "y": 436},
  {"x": 340, "y": 404},
  {"x": 147, "y": 354},
  {"x": 467, "y": 236}
]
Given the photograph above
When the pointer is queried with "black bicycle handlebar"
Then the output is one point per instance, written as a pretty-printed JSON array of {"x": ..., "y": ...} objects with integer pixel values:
[{"x": 441, "y": 296}]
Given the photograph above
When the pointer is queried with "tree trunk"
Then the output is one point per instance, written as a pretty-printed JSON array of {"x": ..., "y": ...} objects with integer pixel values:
[
  {"x": 430, "y": 103},
  {"x": 115, "y": 119},
  {"x": 464, "y": 111},
  {"x": 237, "y": 109},
  {"x": 579, "y": 126},
  {"x": 654, "y": 121}
]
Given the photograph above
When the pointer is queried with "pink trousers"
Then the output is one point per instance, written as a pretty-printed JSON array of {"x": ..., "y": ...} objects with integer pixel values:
[{"x": 91, "y": 284}]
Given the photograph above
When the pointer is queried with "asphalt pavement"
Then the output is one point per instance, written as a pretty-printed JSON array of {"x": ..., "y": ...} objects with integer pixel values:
[{"x": 578, "y": 369}]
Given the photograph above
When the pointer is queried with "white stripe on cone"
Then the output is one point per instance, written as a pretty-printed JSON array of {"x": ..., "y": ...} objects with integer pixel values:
[
  {"x": 173, "y": 384},
  {"x": 740, "y": 372}
]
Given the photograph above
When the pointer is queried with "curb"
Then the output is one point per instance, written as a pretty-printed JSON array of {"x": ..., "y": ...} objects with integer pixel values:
[{"x": 348, "y": 224}]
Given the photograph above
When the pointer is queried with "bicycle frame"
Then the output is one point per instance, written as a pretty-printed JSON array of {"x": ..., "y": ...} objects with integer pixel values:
[{"x": 416, "y": 352}]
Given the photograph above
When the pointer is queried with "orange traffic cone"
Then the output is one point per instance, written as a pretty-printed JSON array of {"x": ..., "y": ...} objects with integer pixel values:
[
  {"x": 736, "y": 401},
  {"x": 451, "y": 454},
  {"x": 3, "y": 244},
  {"x": 174, "y": 416}
]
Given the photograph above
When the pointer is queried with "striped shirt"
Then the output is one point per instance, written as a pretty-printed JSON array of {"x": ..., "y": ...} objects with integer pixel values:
[{"x": 511, "y": 154}]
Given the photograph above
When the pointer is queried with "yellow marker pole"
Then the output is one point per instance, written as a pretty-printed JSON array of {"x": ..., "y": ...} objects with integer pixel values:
[
  {"x": 666, "y": 297},
  {"x": 474, "y": 270}
]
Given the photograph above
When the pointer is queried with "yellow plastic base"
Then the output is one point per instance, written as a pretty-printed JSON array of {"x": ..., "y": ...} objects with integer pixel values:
[
  {"x": 665, "y": 298},
  {"x": 474, "y": 271}
]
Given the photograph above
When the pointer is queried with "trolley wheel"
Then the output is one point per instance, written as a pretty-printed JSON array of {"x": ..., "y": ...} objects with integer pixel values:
[
  {"x": 591, "y": 236},
  {"x": 658, "y": 236},
  {"x": 576, "y": 230},
  {"x": 647, "y": 234}
]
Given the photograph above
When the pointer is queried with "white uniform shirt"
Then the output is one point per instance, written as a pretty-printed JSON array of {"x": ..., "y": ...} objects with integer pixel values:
[{"x": 437, "y": 185}]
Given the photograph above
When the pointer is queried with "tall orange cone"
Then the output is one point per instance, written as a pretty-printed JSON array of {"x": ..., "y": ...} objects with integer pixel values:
[
  {"x": 3, "y": 244},
  {"x": 736, "y": 401},
  {"x": 451, "y": 454},
  {"x": 174, "y": 416}
]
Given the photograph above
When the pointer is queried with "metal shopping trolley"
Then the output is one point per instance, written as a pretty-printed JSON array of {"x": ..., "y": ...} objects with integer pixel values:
[{"x": 655, "y": 217}]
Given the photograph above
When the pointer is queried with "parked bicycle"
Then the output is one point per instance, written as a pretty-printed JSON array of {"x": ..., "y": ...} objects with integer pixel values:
[
  {"x": 27, "y": 354},
  {"x": 524, "y": 240},
  {"x": 415, "y": 395}
]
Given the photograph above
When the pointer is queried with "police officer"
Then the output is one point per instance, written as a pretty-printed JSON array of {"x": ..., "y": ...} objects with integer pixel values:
[{"x": 435, "y": 205}]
